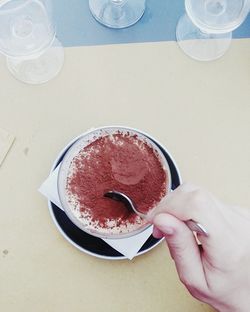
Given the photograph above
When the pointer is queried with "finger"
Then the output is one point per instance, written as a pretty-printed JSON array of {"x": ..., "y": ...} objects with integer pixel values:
[
  {"x": 183, "y": 202},
  {"x": 189, "y": 202},
  {"x": 184, "y": 250}
]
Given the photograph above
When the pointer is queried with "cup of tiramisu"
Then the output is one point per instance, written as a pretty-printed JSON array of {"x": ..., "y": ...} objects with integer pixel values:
[{"x": 112, "y": 159}]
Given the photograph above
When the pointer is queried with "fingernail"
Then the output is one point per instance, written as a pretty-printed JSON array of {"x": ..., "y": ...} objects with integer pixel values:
[{"x": 161, "y": 221}]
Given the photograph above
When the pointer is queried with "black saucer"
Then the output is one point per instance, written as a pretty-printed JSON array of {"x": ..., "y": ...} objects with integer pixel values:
[{"x": 93, "y": 245}]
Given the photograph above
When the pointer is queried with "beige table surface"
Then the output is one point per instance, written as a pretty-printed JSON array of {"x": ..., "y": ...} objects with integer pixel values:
[{"x": 199, "y": 111}]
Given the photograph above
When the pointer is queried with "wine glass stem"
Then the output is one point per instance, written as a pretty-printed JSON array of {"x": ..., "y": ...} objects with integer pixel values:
[
  {"x": 203, "y": 33},
  {"x": 215, "y": 7},
  {"x": 118, "y": 2},
  {"x": 117, "y": 8}
]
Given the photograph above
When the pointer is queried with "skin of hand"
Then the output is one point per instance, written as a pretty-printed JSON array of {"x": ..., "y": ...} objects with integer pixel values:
[{"x": 218, "y": 271}]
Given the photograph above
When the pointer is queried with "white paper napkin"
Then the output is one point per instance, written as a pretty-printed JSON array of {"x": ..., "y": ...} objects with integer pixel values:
[
  {"x": 6, "y": 140},
  {"x": 129, "y": 247}
]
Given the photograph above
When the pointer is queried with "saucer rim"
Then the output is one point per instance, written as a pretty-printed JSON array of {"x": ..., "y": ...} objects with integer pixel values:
[
  {"x": 93, "y": 253},
  {"x": 57, "y": 162}
]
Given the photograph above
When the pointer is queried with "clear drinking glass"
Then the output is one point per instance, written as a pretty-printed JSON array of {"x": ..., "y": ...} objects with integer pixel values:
[
  {"x": 70, "y": 207},
  {"x": 117, "y": 13},
  {"x": 205, "y": 31},
  {"x": 28, "y": 40}
]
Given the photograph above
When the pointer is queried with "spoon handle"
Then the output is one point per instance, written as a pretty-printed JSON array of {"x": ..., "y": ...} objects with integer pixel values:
[{"x": 196, "y": 227}]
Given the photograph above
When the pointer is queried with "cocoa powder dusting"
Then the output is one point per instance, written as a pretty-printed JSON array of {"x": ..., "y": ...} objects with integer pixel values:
[{"x": 119, "y": 162}]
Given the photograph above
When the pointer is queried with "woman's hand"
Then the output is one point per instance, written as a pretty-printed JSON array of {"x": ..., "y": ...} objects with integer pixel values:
[{"x": 217, "y": 273}]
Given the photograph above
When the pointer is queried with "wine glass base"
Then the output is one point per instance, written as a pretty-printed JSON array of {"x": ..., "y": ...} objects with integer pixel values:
[
  {"x": 115, "y": 15},
  {"x": 199, "y": 45},
  {"x": 39, "y": 69}
]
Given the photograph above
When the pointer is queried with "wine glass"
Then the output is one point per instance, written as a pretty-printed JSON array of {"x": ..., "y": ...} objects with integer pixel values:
[
  {"x": 205, "y": 31},
  {"x": 28, "y": 40},
  {"x": 117, "y": 13}
]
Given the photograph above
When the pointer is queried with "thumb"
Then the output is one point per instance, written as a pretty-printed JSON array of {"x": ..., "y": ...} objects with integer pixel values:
[{"x": 183, "y": 249}]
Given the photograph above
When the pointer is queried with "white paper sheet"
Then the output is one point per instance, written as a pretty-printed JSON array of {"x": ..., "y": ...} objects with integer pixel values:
[{"x": 129, "y": 247}]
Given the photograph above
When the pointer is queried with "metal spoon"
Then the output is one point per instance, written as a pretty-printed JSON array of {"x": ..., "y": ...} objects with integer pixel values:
[
  {"x": 126, "y": 200},
  {"x": 193, "y": 226}
]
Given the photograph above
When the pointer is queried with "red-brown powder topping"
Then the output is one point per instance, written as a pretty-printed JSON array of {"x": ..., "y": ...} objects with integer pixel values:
[{"x": 119, "y": 162}]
